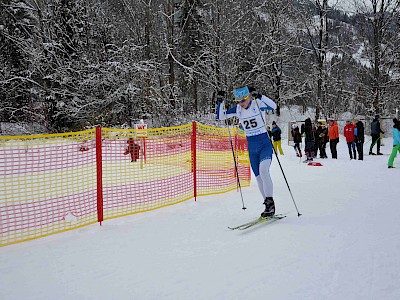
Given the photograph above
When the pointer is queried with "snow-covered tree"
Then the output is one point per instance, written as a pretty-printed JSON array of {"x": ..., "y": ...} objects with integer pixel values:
[
  {"x": 379, "y": 42},
  {"x": 18, "y": 37}
]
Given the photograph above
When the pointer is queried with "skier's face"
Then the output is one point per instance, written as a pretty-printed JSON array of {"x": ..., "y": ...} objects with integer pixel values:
[{"x": 245, "y": 102}]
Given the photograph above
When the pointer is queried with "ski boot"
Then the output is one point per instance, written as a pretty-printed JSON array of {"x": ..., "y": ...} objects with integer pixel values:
[{"x": 269, "y": 207}]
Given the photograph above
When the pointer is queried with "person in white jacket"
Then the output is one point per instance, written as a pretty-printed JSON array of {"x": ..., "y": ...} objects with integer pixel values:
[{"x": 250, "y": 112}]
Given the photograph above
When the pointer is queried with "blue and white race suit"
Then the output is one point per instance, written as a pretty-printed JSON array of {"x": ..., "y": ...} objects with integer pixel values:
[{"x": 259, "y": 144}]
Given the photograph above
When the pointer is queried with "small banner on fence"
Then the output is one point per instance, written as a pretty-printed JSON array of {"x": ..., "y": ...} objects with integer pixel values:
[{"x": 141, "y": 130}]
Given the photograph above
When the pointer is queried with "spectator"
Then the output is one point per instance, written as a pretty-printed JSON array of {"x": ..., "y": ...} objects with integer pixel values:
[
  {"x": 322, "y": 138},
  {"x": 276, "y": 137},
  {"x": 348, "y": 132},
  {"x": 376, "y": 136},
  {"x": 396, "y": 143},
  {"x": 308, "y": 131},
  {"x": 333, "y": 133},
  {"x": 359, "y": 139},
  {"x": 133, "y": 149},
  {"x": 296, "y": 139}
]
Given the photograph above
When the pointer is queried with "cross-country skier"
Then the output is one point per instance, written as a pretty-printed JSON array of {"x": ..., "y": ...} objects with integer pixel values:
[{"x": 249, "y": 110}]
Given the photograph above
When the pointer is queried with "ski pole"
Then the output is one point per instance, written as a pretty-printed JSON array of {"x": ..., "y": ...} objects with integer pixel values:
[
  {"x": 279, "y": 162},
  {"x": 234, "y": 160}
]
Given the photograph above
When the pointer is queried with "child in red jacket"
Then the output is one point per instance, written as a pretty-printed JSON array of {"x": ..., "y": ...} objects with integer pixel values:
[
  {"x": 348, "y": 132},
  {"x": 132, "y": 149}
]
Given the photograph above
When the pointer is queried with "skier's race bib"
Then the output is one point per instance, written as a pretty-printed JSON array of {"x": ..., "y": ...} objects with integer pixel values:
[{"x": 251, "y": 119}]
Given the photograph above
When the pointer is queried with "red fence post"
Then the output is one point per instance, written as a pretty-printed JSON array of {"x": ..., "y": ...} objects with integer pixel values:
[
  {"x": 99, "y": 168},
  {"x": 194, "y": 162}
]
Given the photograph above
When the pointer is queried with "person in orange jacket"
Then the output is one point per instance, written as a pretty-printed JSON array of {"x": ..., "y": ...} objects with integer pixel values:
[
  {"x": 333, "y": 133},
  {"x": 348, "y": 132}
]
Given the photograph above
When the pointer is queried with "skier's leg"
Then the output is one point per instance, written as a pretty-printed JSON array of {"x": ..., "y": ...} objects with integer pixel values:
[
  {"x": 266, "y": 180},
  {"x": 255, "y": 166},
  {"x": 268, "y": 188}
]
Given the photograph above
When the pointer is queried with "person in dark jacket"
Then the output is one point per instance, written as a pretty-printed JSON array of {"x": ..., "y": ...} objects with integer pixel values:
[
  {"x": 276, "y": 138},
  {"x": 307, "y": 130},
  {"x": 376, "y": 136},
  {"x": 359, "y": 139},
  {"x": 296, "y": 139},
  {"x": 322, "y": 139}
]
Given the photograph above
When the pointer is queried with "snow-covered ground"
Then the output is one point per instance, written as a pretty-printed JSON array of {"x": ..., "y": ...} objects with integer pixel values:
[{"x": 346, "y": 245}]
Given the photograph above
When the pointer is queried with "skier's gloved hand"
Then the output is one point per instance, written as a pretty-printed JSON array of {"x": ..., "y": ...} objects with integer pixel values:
[
  {"x": 221, "y": 111},
  {"x": 220, "y": 96}
]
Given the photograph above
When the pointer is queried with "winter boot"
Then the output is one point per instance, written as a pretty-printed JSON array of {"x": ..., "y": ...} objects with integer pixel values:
[{"x": 269, "y": 207}]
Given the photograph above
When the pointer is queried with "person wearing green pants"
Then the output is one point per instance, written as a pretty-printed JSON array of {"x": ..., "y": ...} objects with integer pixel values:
[{"x": 396, "y": 142}]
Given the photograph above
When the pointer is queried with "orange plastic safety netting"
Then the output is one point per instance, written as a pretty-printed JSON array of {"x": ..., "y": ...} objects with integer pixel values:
[{"x": 58, "y": 182}]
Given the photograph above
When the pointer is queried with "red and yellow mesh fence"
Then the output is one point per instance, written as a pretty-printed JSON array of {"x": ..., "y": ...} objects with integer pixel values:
[{"x": 57, "y": 182}]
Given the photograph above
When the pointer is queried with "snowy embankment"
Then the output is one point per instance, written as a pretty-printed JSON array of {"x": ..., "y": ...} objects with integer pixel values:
[{"x": 346, "y": 244}]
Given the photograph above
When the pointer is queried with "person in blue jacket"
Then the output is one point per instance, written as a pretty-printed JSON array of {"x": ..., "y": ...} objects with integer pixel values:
[
  {"x": 250, "y": 110},
  {"x": 396, "y": 142}
]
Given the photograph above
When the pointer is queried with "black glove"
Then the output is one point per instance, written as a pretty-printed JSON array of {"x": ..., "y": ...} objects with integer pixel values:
[{"x": 221, "y": 95}]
